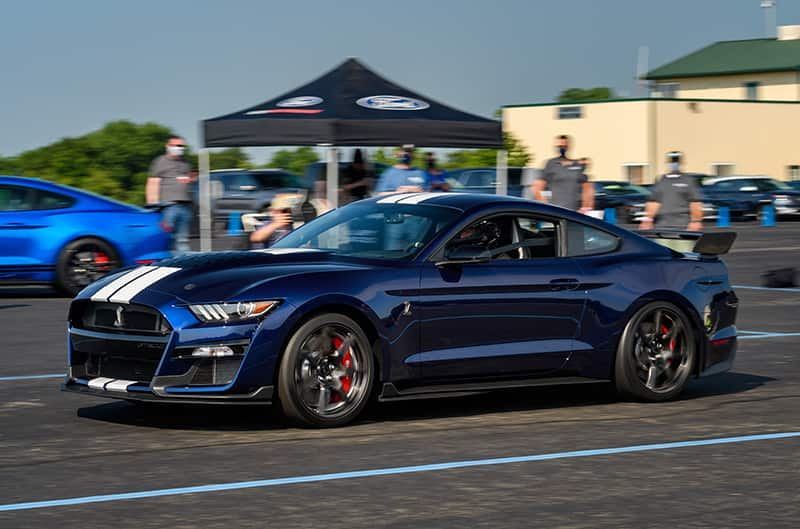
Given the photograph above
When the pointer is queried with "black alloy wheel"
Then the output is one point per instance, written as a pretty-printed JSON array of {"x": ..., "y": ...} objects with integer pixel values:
[
  {"x": 83, "y": 262},
  {"x": 656, "y": 354},
  {"x": 326, "y": 373}
]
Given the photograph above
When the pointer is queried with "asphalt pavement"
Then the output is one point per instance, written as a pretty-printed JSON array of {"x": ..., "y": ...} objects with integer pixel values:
[{"x": 549, "y": 457}]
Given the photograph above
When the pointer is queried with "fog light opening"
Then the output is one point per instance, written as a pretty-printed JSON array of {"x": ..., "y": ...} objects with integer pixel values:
[{"x": 212, "y": 351}]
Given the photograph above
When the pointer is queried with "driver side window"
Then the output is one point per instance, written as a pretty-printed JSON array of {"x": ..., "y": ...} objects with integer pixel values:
[{"x": 510, "y": 237}]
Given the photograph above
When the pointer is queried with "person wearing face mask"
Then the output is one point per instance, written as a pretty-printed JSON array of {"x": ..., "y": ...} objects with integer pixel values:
[
  {"x": 566, "y": 179},
  {"x": 402, "y": 177},
  {"x": 676, "y": 201},
  {"x": 169, "y": 183}
]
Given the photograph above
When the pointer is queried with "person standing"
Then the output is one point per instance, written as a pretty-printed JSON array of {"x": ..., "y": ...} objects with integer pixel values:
[
  {"x": 436, "y": 180},
  {"x": 356, "y": 179},
  {"x": 402, "y": 177},
  {"x": 568, "y": 184},
  {"x": 676, "y": 201},
  {"x": 169, "y": 183}
]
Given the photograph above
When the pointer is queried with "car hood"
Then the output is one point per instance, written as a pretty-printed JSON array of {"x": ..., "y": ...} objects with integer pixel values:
[{"x": 216, "y": 277}]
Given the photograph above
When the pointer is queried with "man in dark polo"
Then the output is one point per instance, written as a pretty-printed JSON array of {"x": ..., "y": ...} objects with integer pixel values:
[
  {"x": 566, "y": 180},
  {"x": 169, "y": 182}
]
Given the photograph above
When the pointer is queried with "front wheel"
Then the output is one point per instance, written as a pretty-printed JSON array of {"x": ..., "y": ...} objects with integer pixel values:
[
  {"x": 656, "y": 354},
  {"x": 326, "y": 373}
]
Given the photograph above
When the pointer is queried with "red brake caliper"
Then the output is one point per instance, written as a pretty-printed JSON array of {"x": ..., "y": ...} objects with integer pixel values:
[
  {"x": 100, "y": 258},
  {"x": 346, "y": 362},
  {"x": 664, "y": 331}
]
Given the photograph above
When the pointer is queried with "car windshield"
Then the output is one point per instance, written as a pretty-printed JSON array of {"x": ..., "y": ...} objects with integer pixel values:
[
  {"x": 374, "y": 230},
  {"x": 623, "y": 188}
]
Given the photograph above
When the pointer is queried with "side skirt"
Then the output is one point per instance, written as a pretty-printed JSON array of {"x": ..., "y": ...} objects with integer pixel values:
[{"x": 390, "y": 392}]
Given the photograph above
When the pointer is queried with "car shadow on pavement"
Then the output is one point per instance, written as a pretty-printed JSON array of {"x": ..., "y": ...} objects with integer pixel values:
[{"x": 255, "y": 418}]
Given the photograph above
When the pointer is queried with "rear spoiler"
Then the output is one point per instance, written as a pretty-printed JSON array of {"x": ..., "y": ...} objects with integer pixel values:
[{"x": 711, "y": 244}]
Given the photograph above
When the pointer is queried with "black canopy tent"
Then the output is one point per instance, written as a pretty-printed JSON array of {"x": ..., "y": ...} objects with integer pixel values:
[{"x": 348, "y": 106}]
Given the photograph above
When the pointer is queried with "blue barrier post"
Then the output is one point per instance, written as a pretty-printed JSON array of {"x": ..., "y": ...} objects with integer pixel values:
[
  {"x": 768, "y": 216},
  {"x": 610, "y": 215},
  {"x": 724, "y": 217},
  {"x": 234, "y": 223}
]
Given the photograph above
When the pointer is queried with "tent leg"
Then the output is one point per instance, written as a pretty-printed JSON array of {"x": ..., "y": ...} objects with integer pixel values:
[
  {"x": 204, "y": 185},
  {"x": 502, "y": 172},
  {"x": 333, "y": 178}
]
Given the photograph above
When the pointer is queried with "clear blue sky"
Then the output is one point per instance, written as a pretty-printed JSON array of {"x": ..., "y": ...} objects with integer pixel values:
[{"x": 69, "y": 67}]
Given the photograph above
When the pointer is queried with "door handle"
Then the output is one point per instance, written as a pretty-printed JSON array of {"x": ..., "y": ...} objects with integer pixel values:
[{"x": 564, "y": 283}]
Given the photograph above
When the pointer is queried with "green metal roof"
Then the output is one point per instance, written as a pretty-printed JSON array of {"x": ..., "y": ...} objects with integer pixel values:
[{"x": 734, "y": 57}]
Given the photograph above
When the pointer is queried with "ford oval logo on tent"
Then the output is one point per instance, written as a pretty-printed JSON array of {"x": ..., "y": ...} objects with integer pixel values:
[
  {"x": 300, "y": 101},
  {"x": 385, "y": 102}
]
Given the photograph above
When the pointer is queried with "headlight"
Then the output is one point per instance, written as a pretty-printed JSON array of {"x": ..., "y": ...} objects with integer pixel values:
[{"x": 232, "y": 312}]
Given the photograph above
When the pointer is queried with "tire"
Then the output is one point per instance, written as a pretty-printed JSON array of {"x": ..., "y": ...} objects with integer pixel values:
[
  {"x": 328, "y": 363},
  {"x": 654, "y": 366},
  {"x": 82, "y": 262}
]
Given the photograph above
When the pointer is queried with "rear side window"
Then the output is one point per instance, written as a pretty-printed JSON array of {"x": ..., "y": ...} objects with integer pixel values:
[
  {"x": 50, "y": 200},
  {"x": 17, "y": 198},
  {"x": 586, "y": 240}
]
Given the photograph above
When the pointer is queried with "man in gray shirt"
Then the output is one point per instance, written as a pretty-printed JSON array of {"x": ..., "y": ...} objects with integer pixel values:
[
  {"x": 170, "y": 177},
  {"x": 676, "y": 201},
  {"x": 568, "y": 184}
]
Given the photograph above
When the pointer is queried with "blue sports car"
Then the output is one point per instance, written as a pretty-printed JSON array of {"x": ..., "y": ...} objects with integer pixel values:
[
  {"x": 410, "y": 296},
  {"x": 51, "y": 233}
]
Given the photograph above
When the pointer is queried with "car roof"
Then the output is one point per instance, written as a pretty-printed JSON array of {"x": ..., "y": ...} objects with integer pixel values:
[
  {"x": 74, "y": 192},
  {"x": 741, "y": 177}
]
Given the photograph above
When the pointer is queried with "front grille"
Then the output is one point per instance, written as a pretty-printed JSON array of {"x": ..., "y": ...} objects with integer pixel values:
[
  {"x": 216, "y": 371},
  {"x": 118, "y": 318},
  {"x": 106, "y": 356}
]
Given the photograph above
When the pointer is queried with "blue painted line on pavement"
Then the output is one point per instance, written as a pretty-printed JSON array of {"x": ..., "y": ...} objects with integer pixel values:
[
  {"x": 748, "y": 287},
  {"x": 31, "y": 377},
  {"x": 386, "y": 471},
  {"x": 769, "y": 335}
]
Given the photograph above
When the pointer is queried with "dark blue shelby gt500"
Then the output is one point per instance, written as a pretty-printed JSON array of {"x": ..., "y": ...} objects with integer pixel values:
[{"x": 410, "y": 295}]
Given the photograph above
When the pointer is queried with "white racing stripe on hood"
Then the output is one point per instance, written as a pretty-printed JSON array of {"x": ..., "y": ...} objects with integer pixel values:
[
  {"x": 129, "y": 291},
  {"x": 391, "y": 199},
  {"x": 421, "y": 197},
  {"x": 283, "y": 251},
  {"x": 104, "y": 293}
]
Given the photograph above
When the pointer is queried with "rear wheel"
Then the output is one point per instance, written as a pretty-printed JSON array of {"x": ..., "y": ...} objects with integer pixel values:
[
  {"x": 326, "y": 373},
  {"x": 656, "y": 354},
  {"x": 83, "y": 262}
]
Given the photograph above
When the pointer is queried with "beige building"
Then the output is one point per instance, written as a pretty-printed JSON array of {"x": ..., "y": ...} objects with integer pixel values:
[{"x": 732, "y": 108}]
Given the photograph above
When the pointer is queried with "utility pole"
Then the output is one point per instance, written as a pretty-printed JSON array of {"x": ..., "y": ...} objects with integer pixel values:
[{"x": 770, "y": 18}]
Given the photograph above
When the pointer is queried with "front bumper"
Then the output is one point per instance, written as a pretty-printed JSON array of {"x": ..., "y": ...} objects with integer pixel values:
[{"x": 131, "y": 364}]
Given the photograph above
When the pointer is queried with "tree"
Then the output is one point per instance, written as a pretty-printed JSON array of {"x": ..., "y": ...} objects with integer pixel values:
[
  {"x": 585, "y": 94},
  {"x": 518, "y": 155},
  {"x": 232, "y": 158},
  {"x": 113, "y": 161},
  {"x": 293, "y": 161}
]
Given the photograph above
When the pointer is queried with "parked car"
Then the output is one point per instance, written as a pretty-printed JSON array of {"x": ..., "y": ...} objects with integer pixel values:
[
  {"x": 59, "y": 235},
  {"x": 484, "y": 180},
  {"x": 243, "y": 191},
  {"x": 626, "y": 198},
  {"x": 745, "y": 196},
  {"x": 794, "y": 184},
  {"x": 410, "y": 296}
]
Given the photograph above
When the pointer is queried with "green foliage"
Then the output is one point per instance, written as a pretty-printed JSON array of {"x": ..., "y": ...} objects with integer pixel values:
[
  {"x": 383, "y": 156},
  {"x": 585, "y": 94},
  {"x": 112, "y": 161},
  {"x": 518, "y": 155},
  {"x": 232, "y": 158},
  {"x": 294, "y": 161}
]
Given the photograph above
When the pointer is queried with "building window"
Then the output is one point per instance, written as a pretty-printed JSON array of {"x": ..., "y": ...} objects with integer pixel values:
[
  {"x": 722, "y": 168},
  {"x": 570, "y": 112},
  {"x": 794, "y": 172},
  {"x": 751, "y": 90},
  {"x": 634, "y": 172},
  {"x": 668, "y": 90}
]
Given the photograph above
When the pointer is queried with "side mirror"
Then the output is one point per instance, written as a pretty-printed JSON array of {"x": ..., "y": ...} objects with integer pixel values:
[{"x": 469, "y": 253}]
